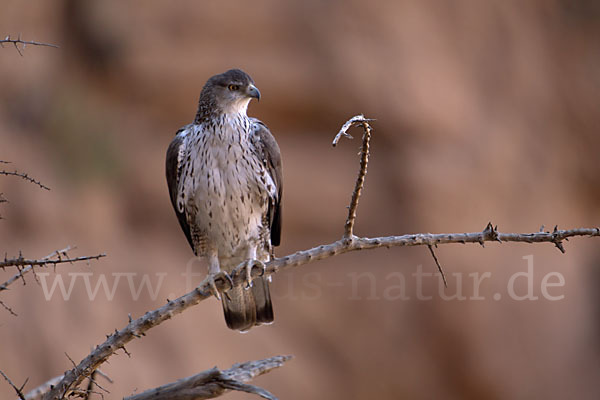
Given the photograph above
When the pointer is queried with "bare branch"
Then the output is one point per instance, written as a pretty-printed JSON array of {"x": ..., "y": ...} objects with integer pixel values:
[
  {"x": 18, "y": 41},
  {"x": 214, "y": 382},
  {"x": 24, "y": 265},
  {"x": 22, "y": 261},
  {"x": 24, "y": 176},
  {"x": 138, "y": 327},
  {"x": 364, "y": 160}
]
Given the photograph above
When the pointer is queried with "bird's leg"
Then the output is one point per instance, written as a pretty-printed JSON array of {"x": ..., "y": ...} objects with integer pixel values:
[
  {"x": 251, "y": 262},
  {"x": 214, "y": 273}
]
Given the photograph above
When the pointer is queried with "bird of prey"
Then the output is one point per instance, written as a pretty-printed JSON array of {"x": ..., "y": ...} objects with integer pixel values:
[{"x": 225, "y": 182}]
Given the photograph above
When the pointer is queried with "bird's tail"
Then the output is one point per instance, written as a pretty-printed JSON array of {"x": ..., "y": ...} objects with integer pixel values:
[{"x": 245, "y": 308}]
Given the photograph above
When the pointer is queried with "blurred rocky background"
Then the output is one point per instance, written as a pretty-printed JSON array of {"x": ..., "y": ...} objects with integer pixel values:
[{"x": 485, "y": 111}]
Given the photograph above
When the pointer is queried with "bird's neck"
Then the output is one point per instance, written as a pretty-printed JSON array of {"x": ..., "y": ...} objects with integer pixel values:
[
  {"x": 225, "y": 128},
  {"x": 209, "y": 110}
]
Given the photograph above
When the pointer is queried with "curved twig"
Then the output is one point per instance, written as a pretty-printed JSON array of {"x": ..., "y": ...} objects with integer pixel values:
[
  {"x": 362, "y": 172},
  {"x": 24, "y": 176}
]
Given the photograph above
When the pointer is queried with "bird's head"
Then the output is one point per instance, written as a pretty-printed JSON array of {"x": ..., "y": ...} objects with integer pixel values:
[{"x": 230, "y": 92}]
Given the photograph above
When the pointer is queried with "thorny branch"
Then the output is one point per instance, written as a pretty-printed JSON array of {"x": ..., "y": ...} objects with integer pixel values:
[
  {"x": 24, "y": 265},
  {"x": 20, "y": 261},
  {"x": 20, "y": 175},
  {"x": 214, "y": 382},
  {"x": 137, "y": 328},
  {"x": 24, "y": 176},
  {"x": 18, "y": 41}
]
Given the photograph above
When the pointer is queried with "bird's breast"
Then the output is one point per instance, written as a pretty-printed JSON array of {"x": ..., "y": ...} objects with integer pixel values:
[{"x": 225, "y": 192}]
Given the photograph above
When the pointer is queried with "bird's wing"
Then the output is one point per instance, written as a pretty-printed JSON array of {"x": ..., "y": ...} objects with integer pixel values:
[
  {"x": 174, "y": 166},
  {"x": 270, "y": 154}
]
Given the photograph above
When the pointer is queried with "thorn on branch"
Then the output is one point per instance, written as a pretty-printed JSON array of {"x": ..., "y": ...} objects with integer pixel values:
[
  {"x": 490, "y": 233},
  {"x": 556, "y": 241},
  {"x": 438, "y": 265}
]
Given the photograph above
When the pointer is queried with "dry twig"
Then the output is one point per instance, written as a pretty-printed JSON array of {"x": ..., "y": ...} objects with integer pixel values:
[
  {"x": 7, "y": 308},
  {"x": 25, "y": 265},
  {"x": 362, "y": 172},
  {"x": 24, "y": 176},
  {"x": 16, "y": 42},
  {"x": 20, "y": 261}
]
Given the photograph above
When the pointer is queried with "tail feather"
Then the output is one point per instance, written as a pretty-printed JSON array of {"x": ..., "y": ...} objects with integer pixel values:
[
  {"x": 245, "y": 308},
  {"x": 262, "y": 301}
]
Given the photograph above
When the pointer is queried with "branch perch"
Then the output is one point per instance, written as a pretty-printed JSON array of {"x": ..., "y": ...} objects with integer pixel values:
[
  {"x": 214, "y": 382},
  {"x": 137, "y": 328}
]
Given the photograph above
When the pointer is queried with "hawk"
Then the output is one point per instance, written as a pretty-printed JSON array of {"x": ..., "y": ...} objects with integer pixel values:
[{"x": 225, "y": 183}]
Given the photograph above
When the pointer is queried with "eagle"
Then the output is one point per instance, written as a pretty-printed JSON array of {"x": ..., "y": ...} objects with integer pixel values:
[{"x": 225, "y": 182}]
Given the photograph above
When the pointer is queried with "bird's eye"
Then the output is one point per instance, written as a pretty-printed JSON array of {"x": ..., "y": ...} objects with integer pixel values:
[{"x": 233, "y": 88}]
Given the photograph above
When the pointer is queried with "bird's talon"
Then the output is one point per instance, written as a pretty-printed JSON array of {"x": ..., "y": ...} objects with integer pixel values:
[
  {"x": 227, "y": 279},
  {"x": 263, "y": 269},
  {"x": 213, "y": 288},
  {"x": 224, "y": 276}
]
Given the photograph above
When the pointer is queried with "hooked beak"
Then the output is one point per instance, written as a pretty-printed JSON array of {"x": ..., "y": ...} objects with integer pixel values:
[{"x": 253, "y": 91}]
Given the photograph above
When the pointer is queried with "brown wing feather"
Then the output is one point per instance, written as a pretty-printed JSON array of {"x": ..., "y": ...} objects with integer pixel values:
[
  {"x": 271, "y": 156},
  {"x": 173, "y": 172}
]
